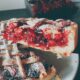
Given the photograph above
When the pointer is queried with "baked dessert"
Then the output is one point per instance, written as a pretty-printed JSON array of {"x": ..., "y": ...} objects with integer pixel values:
[
  {"x": 25, "y": 66},
  {"x": 59, "y": 36}
]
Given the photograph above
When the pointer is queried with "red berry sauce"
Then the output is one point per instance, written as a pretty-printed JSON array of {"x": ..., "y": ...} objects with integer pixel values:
[{"x": 35, "y": 36}]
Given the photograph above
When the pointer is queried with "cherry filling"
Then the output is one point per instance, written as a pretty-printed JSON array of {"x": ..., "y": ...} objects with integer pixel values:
[{"x": 36, "y": 36}]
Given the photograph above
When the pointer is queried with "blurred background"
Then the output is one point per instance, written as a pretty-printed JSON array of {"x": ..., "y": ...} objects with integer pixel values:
[{"x": 20, "y": 8}]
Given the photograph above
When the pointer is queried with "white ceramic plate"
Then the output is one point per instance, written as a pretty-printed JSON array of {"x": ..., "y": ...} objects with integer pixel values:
[{"x": 68, "y": 67}]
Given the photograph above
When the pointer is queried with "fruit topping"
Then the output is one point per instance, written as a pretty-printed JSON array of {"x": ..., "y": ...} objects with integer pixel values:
[{"x": 41, "y": 34}]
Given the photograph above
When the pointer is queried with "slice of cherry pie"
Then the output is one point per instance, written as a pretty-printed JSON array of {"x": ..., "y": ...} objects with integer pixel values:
[{"x": 59, "y": 36}]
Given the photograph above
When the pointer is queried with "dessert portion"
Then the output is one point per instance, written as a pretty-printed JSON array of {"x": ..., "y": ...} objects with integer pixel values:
[
  {"x": 59, "y": 36},
  {"x": 27, "y": 64}
]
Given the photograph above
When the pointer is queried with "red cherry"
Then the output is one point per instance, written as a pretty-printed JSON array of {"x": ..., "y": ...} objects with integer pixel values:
[
  {"x": 51, "y": 43},
  {"x": 18, "y": 30},
  {"x": 11, "y": 26},
  {"x": 47, "y": 36},
  {"x": 64, "y": 40},
  {"x": 5, "y": 35},
  {"x": 58, "y": 37}
]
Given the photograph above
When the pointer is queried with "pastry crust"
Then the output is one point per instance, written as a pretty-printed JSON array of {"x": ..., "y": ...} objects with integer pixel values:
[{"x": 75, "y": 30}]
